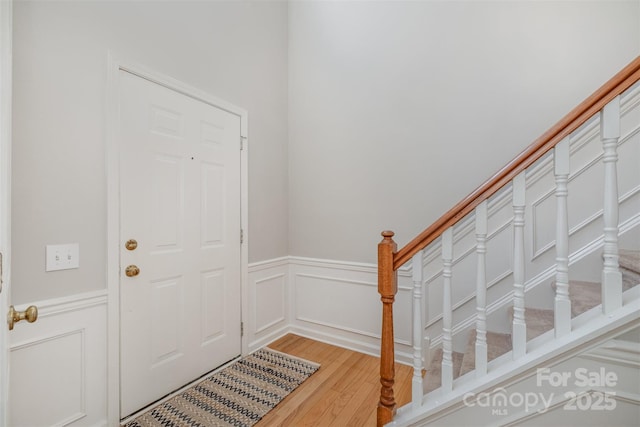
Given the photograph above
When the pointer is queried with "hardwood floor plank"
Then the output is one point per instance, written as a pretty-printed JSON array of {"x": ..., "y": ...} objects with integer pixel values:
[
  {"x": 366, "y": 409},
  {"x": 334, "y": 399},
  {"x": 366, "y": 396},
  {"x": 350, "y": 386},
  {"x": 320, "y": 393},
  {"x": 343, "y": 392},
  {"x": 302, "y": 398}
]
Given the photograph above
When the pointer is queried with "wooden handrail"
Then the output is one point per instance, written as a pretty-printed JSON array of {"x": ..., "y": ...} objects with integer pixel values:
[{"x": 578, "y": 116}]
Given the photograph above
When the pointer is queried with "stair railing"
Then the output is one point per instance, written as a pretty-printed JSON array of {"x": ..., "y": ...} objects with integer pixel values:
[{"x": 604, "y": 101}]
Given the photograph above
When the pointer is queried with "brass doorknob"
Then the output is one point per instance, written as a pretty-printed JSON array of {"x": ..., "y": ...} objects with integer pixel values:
[
  {"x": 132, "y": 270},
  {"x": 30, "y": 315}
]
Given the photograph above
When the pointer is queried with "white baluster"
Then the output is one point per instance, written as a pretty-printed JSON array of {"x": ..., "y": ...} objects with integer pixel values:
[
  {"x": 447, "y": 360},
  {"x": 611, "y": 276},
  {"x": 481, "y": 289},
  {"x": 519, "y": 333},
  {"x": 562, "y": 301},
  {"x": 417, "y": 389}
]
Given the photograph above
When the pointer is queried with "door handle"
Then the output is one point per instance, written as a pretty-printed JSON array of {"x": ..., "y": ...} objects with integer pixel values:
[
  {"x": 132, "y": 270},
  {"x": 30, "y": 315}
]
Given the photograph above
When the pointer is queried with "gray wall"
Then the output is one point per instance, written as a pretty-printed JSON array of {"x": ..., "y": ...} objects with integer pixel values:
[
  {"x": 236, "y": 51},
  {"x": 363, "y": 116},
  {"x": 397, "y": 110}
]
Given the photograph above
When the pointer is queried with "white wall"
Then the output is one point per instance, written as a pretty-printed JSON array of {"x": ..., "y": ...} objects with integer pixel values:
[
  {"x": 377, "y": 92},
  {"x": 234, "y": 50},
  {"x": 400, "y": 109}
]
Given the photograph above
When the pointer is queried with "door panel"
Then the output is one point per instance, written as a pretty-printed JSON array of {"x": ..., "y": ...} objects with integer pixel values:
[
  {"x": 180, "y": 199},
  {"x": 212, "y": 207},
  {"x": 213, "y": 307},
  {"x": 168, "y": 203},
  {"x": 165, "y": 334}
]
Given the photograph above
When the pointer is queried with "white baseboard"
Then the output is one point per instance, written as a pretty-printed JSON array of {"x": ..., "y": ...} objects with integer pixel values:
[{"x": 269, "y": 338}]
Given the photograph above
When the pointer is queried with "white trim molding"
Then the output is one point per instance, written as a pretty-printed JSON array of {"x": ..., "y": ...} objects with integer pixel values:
[
  {"x": 6, "y": 85},
  {"x": 619, "y": 352}
]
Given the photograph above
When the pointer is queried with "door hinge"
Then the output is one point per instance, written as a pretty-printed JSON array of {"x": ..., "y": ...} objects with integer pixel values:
[
  {"x": 241, "y": 329},
  {"x": 241, "y": 236},
  {"x": 242, "y": 140}
]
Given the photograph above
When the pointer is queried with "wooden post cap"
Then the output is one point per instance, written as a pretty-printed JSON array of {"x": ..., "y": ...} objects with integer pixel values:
[{"x": 388, "y": 234}]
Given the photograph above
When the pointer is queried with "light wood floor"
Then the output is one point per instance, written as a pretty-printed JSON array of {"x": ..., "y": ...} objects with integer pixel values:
[{"x": 343, "y": 392}]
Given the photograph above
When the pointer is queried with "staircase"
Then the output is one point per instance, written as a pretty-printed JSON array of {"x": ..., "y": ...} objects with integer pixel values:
[
  {"x": 584, "y": 296},
  {"x": 536, "y": 268}
]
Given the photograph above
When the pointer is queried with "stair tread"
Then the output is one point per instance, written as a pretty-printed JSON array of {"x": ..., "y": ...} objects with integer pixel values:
[
  {"x": 433, "y": 378},
  {"x": 629, "y": 260},
  {"x": 539, "y": 320},
  {"x": 497, "y": 345},
  {"x": 629, "y": 279},
  {"x": 584, "y": 295}
]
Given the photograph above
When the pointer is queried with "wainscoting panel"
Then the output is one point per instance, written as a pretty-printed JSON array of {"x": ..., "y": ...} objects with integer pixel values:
[
  {"x": 338, "y": 303},
  {"x": 268, "y": 314},
  {"x": 58, "y": 364},
  {"x": 271, "y": 293},
  {"x": 33, "y": 381},
  {"x": 331, "y": 301}
]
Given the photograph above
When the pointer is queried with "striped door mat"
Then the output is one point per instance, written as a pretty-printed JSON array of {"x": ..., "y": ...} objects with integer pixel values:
[{"x": 238, "y": 395}]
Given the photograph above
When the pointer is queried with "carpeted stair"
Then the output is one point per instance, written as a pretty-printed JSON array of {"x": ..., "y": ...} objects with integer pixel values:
[
  {"x": 434, "y": 375},
  {"x": 630, "y": 267},
  {"x": 497, "y": 345},
  {"x": 584, "y": 296}
]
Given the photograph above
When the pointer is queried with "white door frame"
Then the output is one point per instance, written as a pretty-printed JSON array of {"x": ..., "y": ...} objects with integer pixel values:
[
  {"x": 116, "y": 66},
  {"x": 6, "y": 36}
]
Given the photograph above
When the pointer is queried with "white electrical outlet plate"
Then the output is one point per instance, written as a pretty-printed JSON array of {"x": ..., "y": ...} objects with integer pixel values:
[{"x": 62, "y": 257}]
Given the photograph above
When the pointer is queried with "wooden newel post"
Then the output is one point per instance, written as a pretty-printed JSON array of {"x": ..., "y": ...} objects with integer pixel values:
[{"x": 387, "y": 287}]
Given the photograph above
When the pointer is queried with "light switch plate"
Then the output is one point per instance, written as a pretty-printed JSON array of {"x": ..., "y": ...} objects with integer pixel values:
[{"x": 62, "y": 257}]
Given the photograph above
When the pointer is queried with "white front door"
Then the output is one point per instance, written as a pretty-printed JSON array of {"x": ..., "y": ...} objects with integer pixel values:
[{"x": 180, "y": 202}]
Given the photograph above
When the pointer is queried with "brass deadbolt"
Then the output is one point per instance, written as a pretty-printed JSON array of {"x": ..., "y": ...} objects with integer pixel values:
[
  {"x": 132, "y": 270},
  {"x": 131, "y": 244},
  {"x": 30, "y": 315}
]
